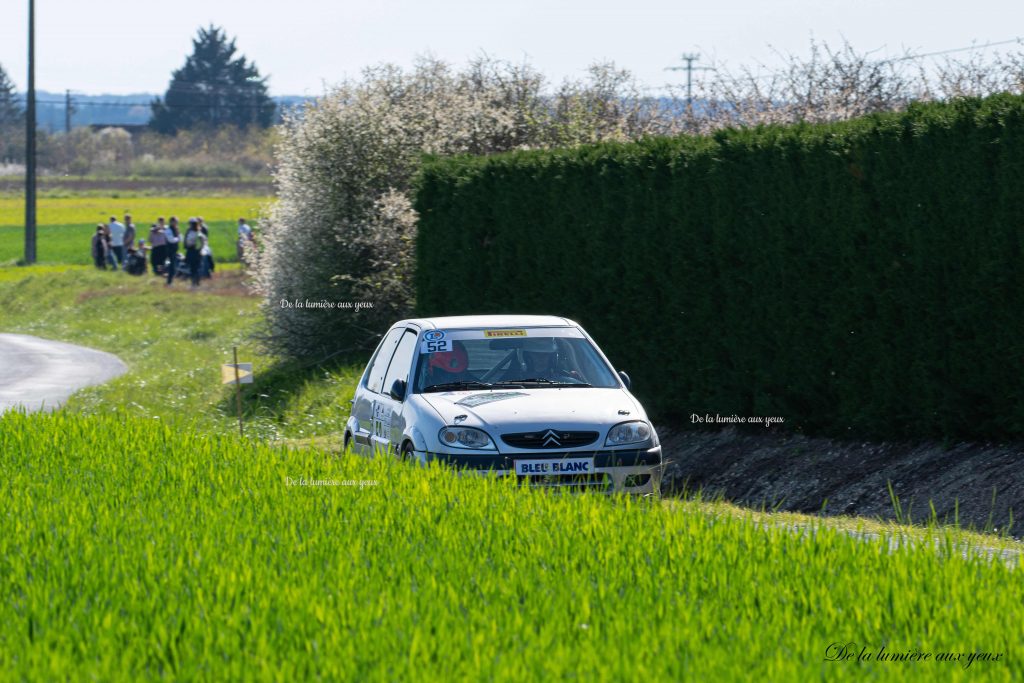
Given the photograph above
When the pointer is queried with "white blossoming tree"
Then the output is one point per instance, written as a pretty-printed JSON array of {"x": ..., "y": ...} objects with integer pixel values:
[{"x": 343, "y": 228}]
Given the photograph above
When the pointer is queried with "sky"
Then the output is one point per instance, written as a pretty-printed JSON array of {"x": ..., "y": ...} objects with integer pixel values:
[{"x": 305, "y": 46}]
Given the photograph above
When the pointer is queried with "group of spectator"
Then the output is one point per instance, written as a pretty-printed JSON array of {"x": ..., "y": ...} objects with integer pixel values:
[{"x": 114, "y": 244}]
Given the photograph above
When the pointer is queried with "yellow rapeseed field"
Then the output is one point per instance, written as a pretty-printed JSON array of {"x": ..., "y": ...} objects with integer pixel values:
[{"x": 144, "y": 210}]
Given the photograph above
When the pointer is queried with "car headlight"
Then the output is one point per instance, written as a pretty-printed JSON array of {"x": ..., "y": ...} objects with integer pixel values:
[
  {"x": 628, "y": 432},
  {"x": 466, "y": 437}
]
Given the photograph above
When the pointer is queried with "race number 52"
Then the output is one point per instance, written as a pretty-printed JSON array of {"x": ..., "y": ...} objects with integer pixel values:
[{"x": 438, "y": 346}]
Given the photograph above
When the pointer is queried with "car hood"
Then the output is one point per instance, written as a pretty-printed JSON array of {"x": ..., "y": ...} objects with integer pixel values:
[{"x": 535, "y": 408}]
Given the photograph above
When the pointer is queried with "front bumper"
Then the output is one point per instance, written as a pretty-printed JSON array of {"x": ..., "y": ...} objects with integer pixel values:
[{"x": 628, "y": 471}]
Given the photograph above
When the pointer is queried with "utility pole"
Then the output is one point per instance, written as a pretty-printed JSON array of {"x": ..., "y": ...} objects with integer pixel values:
[
  {"x": 689, "y": 58},
  {"x": 30, "y": 142},
  {"x": 68, "y": 111}
]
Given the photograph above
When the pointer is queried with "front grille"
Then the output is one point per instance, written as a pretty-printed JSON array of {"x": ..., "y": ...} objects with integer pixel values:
[
  {"x": 506, "y": 461},
  {"x": 549, "y": 438},
  {"x": 635, "y": 480},
  {"x": 576, "y": 481}
]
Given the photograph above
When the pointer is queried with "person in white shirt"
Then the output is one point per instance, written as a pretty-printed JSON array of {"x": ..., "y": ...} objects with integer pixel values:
[
  {"x": 244, "y": 239},
  {"x": 206, "y": 254},
  {"x": 116, "y": 240}
]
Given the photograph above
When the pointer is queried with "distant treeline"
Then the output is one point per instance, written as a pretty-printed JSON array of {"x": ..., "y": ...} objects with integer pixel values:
[
  {"x": 112, "y": 110},
  {"x": 226, "y": 153},
  {"x": 860, "y": 279}
]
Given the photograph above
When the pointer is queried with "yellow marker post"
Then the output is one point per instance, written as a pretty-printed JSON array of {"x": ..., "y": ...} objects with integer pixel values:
[
  {"x": 228, "y": 370},
  {"x": 239, "y": 373}
]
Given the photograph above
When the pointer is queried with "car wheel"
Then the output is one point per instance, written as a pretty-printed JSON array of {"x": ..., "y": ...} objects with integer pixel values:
[
  {"x": 346, "y": 443},
  {"x": 407, "y": 452}
]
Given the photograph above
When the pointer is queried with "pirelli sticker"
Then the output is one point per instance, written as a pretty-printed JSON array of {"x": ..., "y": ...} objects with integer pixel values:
[{"x": 504, "y": 333}]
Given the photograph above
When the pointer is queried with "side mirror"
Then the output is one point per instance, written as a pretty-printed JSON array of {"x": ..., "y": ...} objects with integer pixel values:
[
  {"x": 397, "y": 390},
  {"x": 625, "y": 379}
]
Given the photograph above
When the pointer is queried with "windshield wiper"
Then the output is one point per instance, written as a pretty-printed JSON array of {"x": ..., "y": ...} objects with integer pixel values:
[
  {"x": 445, "y": 386},
  {"x": 549, "y": 382}
]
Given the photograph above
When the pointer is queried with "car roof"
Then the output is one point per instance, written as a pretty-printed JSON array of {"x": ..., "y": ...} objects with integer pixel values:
[{"x": 471, "y": 322}]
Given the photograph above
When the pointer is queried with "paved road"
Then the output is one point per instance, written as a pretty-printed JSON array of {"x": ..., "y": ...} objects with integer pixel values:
[{"x": 40, "y": 374}]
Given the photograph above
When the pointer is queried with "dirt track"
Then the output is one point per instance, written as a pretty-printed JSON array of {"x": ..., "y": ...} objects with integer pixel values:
[{"x": 801, "y": 474}]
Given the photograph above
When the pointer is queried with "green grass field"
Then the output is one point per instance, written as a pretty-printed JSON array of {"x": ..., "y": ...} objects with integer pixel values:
[
  {"x": 66, "y": 224},
  {"x": 142, "y": 539},
  {"x": 131, "y": 549}
]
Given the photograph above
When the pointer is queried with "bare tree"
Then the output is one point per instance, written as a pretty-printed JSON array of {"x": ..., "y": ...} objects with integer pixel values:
[{"x": 836, "y": 84}]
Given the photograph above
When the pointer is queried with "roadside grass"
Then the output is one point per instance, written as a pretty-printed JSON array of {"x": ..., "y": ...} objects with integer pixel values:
[
  {"x": 176, "y": 549},
  {"x": 133, "y": 551},
  {"x": 71, "y": 244},
  {"x": 300, "y": 402},
  {"x": 66, "y": 223},
  {"x": 12, "y": 274},
  {"x": 174, "y": 341}
]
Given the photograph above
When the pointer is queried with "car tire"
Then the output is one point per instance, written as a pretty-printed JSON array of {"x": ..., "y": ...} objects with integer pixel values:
[
  {"x": 407, "y": 452},
  {"x": 346, "y": 443}
]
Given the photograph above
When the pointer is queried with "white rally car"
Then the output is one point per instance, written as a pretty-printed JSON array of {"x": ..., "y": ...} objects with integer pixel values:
[{"x": 529, "y": 396}]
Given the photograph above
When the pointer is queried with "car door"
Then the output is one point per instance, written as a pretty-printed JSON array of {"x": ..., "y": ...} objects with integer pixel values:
[
  {"x": 388, "y": 420},
  {"x": 366, "y": 393}
]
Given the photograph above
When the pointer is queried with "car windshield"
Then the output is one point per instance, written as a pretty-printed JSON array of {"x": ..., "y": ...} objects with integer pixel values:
[{"x": 531, "y": 357}]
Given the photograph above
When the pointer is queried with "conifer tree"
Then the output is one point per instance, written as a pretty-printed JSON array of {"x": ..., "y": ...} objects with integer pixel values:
[{"x": 214, "y": 88}]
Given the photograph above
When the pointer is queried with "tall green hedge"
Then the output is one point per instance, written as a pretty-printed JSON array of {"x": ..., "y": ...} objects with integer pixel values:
[{"x": 858, "y": 279}]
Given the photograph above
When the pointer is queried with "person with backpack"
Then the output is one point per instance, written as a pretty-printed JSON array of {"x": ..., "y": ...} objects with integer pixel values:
[
  {"x": 135, "y": 261},
  {"x": 99, "y": 247},
  {"x": 206, "y": 262},
  {"x": 194, "y": 241},
  {"x": 129, "y": 238}
]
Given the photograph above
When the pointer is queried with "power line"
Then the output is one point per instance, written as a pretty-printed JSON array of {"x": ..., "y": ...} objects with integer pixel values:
[
  {"x": 905, "y": 58},
  {"x": 947, "y": 52},
  {"x": 689, "y": 69},
  {"x": 148, "y": 104}
]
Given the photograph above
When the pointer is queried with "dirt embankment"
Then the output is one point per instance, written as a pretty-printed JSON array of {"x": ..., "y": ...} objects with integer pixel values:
[{"x": 982, "y": 484}]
